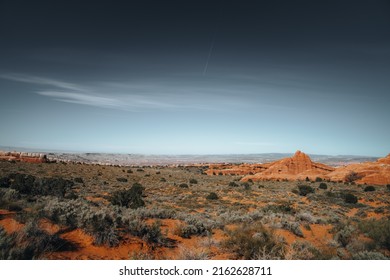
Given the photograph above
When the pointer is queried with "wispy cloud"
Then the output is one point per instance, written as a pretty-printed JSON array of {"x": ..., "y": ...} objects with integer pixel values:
[
  {"x": 83, "y": 99},
  {"x": 143, "y": 95},
  {"x": 41, "y": 81}
]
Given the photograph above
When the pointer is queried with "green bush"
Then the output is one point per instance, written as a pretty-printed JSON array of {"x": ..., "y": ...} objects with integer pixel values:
[
  {"x": 212, "y": 196},
  {"x": 233, "y": 184},
  {"x": 318, "y": 179},
  {"x": 369, "y": 189},
  {"x": 131, "y": 198},
  {"x": 350, "y": 198},
  {"x": 305, "y": 190},
  {"x": 183, "y": 186},
  {"x": 323, "y": 186},
  {"x": 193, "y": 181}
]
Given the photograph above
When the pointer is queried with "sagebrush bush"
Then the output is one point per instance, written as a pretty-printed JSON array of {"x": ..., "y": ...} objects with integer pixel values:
[
  {"x": 378, "y": 231},
  {"x": 102, "y": 226},
  {"x": 253, "y": 242},
  {"x": 131, "y": 198},
  {"x": 183, "y": 186}
]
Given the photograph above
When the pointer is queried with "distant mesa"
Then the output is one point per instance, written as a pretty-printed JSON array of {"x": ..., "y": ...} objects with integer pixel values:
[
  {"x": 301, "y": 167},
  {"x": 23, "y": 157}
]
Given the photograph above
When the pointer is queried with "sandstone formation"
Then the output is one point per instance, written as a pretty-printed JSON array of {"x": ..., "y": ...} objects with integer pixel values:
[
  {"x": 376, "y": 173},
  {"x": 23, "y": 156},
  {"x": 301, "y": 167},
  {"x": 297, "y": 167}
]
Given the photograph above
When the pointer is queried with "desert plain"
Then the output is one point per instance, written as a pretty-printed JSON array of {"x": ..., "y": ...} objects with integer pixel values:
[{"x": 292, "y": 208}]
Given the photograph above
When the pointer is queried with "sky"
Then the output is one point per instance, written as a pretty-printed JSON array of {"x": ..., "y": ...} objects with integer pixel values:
[{"x": 196, "y": 77}]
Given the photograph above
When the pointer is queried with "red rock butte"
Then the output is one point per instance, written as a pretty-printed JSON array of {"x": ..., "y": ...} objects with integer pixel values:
[{"x": 297, "y": 167}]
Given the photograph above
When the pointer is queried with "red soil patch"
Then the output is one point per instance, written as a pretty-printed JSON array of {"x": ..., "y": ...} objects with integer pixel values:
[{"x": 10, "y": 225}]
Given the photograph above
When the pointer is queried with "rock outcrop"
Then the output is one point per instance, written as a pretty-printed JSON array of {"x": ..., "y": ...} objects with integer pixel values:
[
  {"x": 23, "y": 156},
  {"x": 297, "y": 167},
  {"x": 376, "y": 173}
]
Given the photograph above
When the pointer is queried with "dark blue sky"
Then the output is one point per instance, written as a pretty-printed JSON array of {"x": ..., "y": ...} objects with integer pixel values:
[{"x": 196, "y": 77}]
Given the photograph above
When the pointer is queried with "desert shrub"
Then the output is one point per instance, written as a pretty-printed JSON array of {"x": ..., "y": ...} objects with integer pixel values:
[
  {"x": 66, "y": 212},
  {"x": 307, "y": 179},
  {"x": 350, "y": 198},
  {"x": 193, "y": 181},
  {"x": 220, "y": 173},
  {"x": 254, "y": 241},
  {"x": 305, "y": 190},
  {"x": 149, "y": 233},
  {"x": 388, "y": 187},
  {"x": 369, "y": 189},
  {"x": 163, "y": 180},
  {"x": 21, "y": 182},
  {"x": 78, "y": 180},
  {"x": 283, "y": 207},
  {"x": 307, "y": 217},
  {"x": 102, "y": 226},
  {"x": 303, "y": 250},
  {"x": 4, "y": 182},
  {"x": 246, "y": 185},
  {"x": 318, "y": 179},
  {"x": 140, "y": 170},
  {"x": 31, "y": 243},
  {"x": 323, "y": 186},
  {"x": 183, "y": 186},
  {"x": 193, "y": 226},
  {"x": 233, "y": 184},
  {"x": 294, "y": 227},
  {"x": 352, "y": 177},
  {"x": 129, "y": 171},
  {"x": 9, "y": 195},
  {"x": 369, "y": 255},
  {"x": 212, "y": 196},
  {"x": 192, "y": 254},
  {"x": 121, "y": 179},
  {"x": 131, "y": 198},
  {"x": 154, "y": 213},
  {"x": 378, "y": 231},
  {"x": 52, "y": 186},
  {"x": 344, "y": 234}
]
